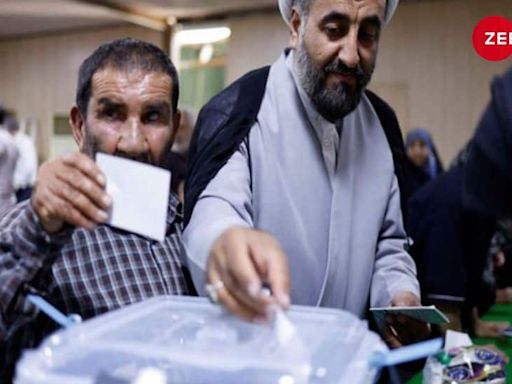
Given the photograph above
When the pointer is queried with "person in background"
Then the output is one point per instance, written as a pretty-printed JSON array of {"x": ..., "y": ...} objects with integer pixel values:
[
  {"x": 453, "y": 219},
  {"x": 26, "y": 166},
  {"x": 497, "y": 275},
  {"x": 450, "y": 247},
  {"x": 500, "y": 254},
  {"x": 57, "y": 243},
  {"x": 487, "y": 185},
  {"x": 8, "y": 158},
  {"x": 423, "y": 162},
  {"x": 488, "y": 172}
]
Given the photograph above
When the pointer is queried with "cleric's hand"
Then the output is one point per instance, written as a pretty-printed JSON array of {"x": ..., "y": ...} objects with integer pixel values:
[
  {"x": 242, "y": 261},
  {"x": 401, "y": 330}
]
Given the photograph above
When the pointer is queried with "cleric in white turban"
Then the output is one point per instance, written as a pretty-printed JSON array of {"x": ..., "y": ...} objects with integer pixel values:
[
  {"x": 285, "y": 6},
  {"x": 295, "y": 177}
]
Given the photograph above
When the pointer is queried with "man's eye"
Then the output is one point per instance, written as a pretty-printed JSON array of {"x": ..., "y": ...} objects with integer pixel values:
[
  {"x": 111, "y": 113},
  {"x": 368, "y": 36},
  {"x": 153, "y": 116},
  {"x": 333, "y": 31}
]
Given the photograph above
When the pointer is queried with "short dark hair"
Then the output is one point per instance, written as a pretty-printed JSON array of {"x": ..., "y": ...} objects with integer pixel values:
[
  {"x": 124, "y": 54},
  {"x": 11, "y": 123},
  {"x": 2, "y": 114}
]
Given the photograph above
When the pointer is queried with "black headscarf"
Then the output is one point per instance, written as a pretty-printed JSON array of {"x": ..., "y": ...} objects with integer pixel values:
[{"x": 488, "y": 172}]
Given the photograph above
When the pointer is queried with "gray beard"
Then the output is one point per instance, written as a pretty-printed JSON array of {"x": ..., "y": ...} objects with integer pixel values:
[
  {"x": 91, "y": 145},
  {"x": 333, "y": 103}
]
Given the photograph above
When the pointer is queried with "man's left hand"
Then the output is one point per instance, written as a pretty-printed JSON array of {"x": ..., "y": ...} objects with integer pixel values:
[{"x": 402, "y": 330}]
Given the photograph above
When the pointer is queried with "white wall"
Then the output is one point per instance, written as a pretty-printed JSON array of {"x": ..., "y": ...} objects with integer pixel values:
[
  {"x": 427, "y": 51},
  {"x": 38, "y": 75},
  {"x": 255, "y": 41}
]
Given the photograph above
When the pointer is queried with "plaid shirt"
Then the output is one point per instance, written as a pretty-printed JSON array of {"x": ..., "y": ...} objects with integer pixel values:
[{"x": 83, "y": 272}]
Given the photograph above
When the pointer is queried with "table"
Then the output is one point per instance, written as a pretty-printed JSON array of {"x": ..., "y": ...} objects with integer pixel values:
[{"x": 500, "y": 312}]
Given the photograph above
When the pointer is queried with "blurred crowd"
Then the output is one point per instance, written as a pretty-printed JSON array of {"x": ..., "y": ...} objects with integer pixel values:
[{"x": 18, "y": 165}]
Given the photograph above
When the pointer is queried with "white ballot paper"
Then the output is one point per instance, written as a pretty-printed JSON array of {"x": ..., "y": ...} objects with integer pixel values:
[
  {"x": 140, "y": 195},
  {"x": 455, "y": 339}
]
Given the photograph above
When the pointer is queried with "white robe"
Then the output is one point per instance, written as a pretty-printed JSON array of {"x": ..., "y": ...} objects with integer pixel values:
[{"x": 339, "y": 223}]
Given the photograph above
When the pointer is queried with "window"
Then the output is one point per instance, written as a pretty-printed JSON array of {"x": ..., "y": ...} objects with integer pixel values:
[
  {"x": 62, "y": 141},
  {"x": 200, "y": 54}
]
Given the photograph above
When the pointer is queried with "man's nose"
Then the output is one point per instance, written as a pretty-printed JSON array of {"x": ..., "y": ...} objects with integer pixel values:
[
  {"x": 132, "y": 142},
  {"x": 349, "y": 49}
]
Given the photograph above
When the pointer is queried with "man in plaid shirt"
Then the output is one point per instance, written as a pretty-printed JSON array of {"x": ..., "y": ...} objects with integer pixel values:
[{"x": 126, "y": 105}]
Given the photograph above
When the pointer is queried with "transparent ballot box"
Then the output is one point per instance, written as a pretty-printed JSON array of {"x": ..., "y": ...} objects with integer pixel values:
[{"x": 190, "y": 340}]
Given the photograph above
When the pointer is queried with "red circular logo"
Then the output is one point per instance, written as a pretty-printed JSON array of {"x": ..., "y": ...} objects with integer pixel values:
[{"x": 492, "y": 38}]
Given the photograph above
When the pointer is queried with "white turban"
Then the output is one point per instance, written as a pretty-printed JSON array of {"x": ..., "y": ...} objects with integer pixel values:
[{"x": 285, "y": 6}]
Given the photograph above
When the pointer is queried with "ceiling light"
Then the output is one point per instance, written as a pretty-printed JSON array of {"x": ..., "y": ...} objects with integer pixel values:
[{"x": 202, "y": 36}]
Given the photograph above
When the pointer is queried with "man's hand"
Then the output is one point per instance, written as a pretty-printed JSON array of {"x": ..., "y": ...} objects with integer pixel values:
[
  {"x": 488, "y": 329},
  {"x": 402, "y": 330},
  {"x": 245, "y": 260},
  {"x": 70, "y": 190}
]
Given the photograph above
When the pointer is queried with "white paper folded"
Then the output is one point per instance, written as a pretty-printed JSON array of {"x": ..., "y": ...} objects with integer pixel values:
[{"x": 140, "y": 195}]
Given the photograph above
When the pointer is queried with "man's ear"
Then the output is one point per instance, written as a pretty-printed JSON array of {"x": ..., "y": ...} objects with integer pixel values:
[
  {"x": 295, "y": 24},
  {"x": 77, "y": 123}
]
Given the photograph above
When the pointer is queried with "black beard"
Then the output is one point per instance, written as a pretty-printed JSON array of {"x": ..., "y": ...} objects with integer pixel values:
[{"x": 333, "y": 103}]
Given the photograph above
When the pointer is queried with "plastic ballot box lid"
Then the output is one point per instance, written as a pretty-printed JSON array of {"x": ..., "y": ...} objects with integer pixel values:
[{"x": 192, "y": 341}]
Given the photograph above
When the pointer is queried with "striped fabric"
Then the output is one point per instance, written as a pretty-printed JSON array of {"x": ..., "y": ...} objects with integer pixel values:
[{"x": 83, "y": 272}]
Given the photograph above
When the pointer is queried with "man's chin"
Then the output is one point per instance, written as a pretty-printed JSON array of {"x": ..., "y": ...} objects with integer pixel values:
[
  {"x": 336, "y": 111},
  {"x": 335, "y": 81}
]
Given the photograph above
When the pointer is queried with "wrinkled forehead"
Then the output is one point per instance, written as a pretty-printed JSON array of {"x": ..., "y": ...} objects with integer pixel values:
[
  {"x": 120, "y": 82},
  {"x": 353, "y": 9}
]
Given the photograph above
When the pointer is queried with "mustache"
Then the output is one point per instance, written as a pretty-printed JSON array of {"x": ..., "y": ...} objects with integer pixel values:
[
  {"x": 93, "y": 146},
  {"x": 143, "y": 158},
  {"x": 339, "y": 67}
]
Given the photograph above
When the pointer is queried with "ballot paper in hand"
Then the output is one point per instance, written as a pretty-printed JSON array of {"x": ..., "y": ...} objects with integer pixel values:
[
  {"x": 140, "y": 195},
  {"x": 290, "y": 341}
]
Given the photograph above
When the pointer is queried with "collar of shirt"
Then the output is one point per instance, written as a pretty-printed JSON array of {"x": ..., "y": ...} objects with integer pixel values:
[
  {"x": 174, "y": 211},
  {"x": 320, "y": 123}
]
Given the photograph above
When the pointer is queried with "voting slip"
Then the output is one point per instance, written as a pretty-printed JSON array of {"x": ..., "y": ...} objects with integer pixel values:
[
  {"x": 430, "y": 314},
  {"x": 140, "y": 195}
]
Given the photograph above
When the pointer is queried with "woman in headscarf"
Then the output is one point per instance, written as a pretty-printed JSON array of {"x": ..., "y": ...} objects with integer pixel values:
[
  {"x": 423, "y": 163},
  {"x": 488, "y": 173},
  {"x": 450, "y": 247},
  {"x": 453, "y": 219}
]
